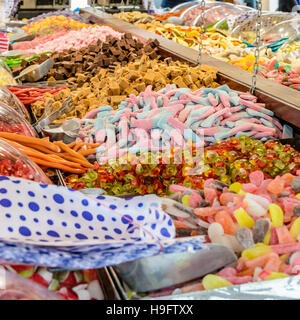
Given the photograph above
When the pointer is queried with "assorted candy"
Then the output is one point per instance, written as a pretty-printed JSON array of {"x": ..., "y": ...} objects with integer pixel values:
[
  {"x": 257, "y": 220},
  {"x": 159, "y": 126},
  {"x": 77, "y": 39},
  {"x": 28, "y": 95},
  {"x": 174, "y": 117},
  {"x": 64, "y": 12},
  {"x": 275, "y": 65},
  {"x": 52, "y": 24},
  {"x": 232, "y": 160},
  {"x": 112, "y": 86}
]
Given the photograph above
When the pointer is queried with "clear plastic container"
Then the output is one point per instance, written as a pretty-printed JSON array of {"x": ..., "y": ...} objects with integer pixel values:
[
  {"x": 215, "y": 14},
  {"x": 194, "y": 11},
  {"x": 14, "y": 287},
  {"x": 289, "y": 29},
  {"x": 8, "y": 98},
  {"x": 6, "y": 77},
  {"x": 12, "y": 121},
  {"x": 246, "y": 30},
  {"x": 15, "y": 163}
]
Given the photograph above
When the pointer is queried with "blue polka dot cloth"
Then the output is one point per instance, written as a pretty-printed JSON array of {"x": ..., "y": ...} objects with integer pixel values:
[
  {"x": 48, "y": 214},
  {"x": 60, "y": 227}
]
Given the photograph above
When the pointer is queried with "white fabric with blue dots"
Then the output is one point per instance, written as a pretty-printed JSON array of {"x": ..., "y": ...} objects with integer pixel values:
[{"x": 51, "y": 215}]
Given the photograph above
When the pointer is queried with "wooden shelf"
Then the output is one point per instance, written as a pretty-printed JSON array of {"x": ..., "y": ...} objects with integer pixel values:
[{"x": 282, "y": 100}]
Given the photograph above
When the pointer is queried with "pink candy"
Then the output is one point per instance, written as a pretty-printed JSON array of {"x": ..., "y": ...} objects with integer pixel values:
[{"x": 77, "y": 39}]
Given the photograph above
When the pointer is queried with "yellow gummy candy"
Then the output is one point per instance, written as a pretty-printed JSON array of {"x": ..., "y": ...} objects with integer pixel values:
[
  {"x": 276, "y": 215},
  {"x": 276, "y": 275},
  {"x": 284, "y": 256},
  {"x": 295, "y": 228},
  {"x": 212, "y": 281},
  {"x": 243, "y": 218},
  {"x": 236, "y": 187},
  {"x": 186, "y": 200},
  {"x": 267, "y": 237},
  {"x": 259, "y": 250},
  {"x": 298, "y": 195}
]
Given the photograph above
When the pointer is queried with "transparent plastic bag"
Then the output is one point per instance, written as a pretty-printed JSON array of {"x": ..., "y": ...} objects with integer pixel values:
[
  {"x": 14, "y": 287},
  {"x": 15, "y": 163},
  {"x": 12, "y": 121},
  {"x": 11, "y": 100}
]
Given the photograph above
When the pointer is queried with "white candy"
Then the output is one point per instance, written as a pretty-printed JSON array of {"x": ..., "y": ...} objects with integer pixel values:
[
  {"x": 255, "y": 206},
  {"x": 45, "y": 274},
  {"x": 95, "y": 290}
]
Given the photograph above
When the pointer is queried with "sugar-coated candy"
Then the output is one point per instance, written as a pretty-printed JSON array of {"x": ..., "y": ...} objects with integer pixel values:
[
  {"x": 260, "y": 229},
  {"x": 295, "y": 228},
  {"x": 296, "y": 184},
  {"x": 258, "y": 251},
  {"x": 276, "y": 215},
  {"x": 212, "y": 281},
  {"x": 243, "y": 218},
  {"x": 296, "y": 210},
  {"x": 245, "y": 237}
]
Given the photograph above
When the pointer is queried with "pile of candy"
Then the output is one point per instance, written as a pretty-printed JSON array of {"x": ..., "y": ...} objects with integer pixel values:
[
  {"x": 135, "y": 17},
  {"x": 77, "y": 39},
  {"x": 112, "y": 86},
  {"x": 30, "y": 45},
  {"x": 16, "y": 169},
  {"x": 229, "y": 161},
  {"x": 70, "y": 285},
  {"x": 282, "y": 73},
  {"x": 53, "y": 24},
  {"x": 17, "y": 61},
  {"x": 257, "y": 220},
  {"x": 28, "y": 95},
  {"x": 169, "y": 14},
  {"x": 65, "y": 12},
  {"x": 174, "y": 117},
  {"x": 190, "y": 37},
  {"x": 291, "y": 47}
]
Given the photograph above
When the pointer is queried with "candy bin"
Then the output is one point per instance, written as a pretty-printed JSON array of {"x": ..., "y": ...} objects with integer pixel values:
[
  {"x": 14, "y": 163},
  {"x": 14, "y": 287},
  {"x": 13, "y": 122},
  {"x": 11, "y": 100}
]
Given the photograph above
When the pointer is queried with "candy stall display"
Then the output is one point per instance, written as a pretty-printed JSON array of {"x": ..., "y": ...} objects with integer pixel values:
[
  {"x": 112, "y": 86},
  {"x": 232, "y": 38},
  {"x": 131, "y": 152}
]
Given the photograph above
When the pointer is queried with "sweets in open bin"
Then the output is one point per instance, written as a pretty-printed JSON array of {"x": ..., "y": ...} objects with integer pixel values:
[
  {"x": 231, "y": 160},
  {"x": 258, "y": 220},
  {"x": 15, "y": 163}
]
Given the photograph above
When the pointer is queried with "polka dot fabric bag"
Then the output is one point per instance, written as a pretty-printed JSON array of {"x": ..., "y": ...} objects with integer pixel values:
[{"x": 60, "y": 227}]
